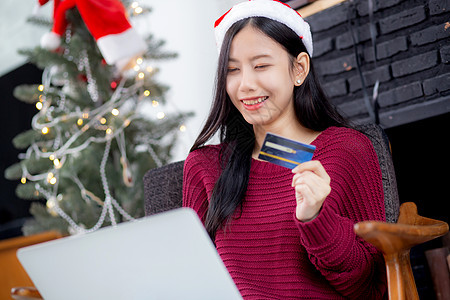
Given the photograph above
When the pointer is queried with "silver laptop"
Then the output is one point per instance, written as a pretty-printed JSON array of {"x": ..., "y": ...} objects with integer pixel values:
[{"x": 165, "y": 256}]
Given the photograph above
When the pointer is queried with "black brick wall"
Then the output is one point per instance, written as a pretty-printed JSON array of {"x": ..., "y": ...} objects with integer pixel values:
[{"x": 410, "y": 59}]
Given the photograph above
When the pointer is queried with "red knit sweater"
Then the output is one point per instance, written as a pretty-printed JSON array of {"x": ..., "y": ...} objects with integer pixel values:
[{"x": 270, "y": 254}]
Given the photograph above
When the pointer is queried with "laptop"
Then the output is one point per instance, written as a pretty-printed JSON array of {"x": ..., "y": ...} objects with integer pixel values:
[{"x": 164, "y": 256}]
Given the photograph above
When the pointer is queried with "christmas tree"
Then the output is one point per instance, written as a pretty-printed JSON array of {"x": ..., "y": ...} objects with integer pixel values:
[{"x": 90, "y": 143}]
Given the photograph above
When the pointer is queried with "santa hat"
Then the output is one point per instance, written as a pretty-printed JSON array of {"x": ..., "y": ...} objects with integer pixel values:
[
  {"x": 271, "y": 9},
  {"x": 106, "y": 21}
]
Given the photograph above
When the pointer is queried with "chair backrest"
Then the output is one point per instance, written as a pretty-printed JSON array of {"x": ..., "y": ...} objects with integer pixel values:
[
  {"x": 163, "y": 186},
  {"x": 382, "y": 147}
]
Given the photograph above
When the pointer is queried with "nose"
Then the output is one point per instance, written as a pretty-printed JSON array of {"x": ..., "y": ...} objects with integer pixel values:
[{"x": 248, "y": 80}]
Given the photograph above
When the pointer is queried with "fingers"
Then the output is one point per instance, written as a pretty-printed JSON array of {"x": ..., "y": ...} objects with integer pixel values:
[
  {"x": 303, "y": 191},
  {"x": 312, "y": 185},
  {"x": 309, "y": 179},
  {"x": 308, "y": 203},
  {"x": 313, "y": 166}
]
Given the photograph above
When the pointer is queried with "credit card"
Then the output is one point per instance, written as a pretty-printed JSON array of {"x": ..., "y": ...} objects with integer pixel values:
[{"x": 285, "y": 152}]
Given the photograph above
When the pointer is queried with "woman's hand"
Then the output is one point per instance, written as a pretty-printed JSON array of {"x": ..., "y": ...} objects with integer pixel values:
[{"x": 312, "y": 186}]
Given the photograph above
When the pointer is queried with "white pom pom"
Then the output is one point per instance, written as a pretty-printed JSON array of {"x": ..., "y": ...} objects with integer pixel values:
[{"x": 50, "y": 41}]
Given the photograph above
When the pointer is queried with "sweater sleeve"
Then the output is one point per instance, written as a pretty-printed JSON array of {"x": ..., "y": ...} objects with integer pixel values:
[
  {"x": 354, "y": 267},
  {"x": 199, "y": 177}
]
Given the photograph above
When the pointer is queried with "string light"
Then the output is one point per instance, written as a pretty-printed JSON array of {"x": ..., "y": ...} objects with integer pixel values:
[
  {"x": 160, "y": 115},
  {"x": 115, "y": 112},
  {"x": 52, "y": 206},
  {"x": 67, "y": 143},
  {"x": 57, "y": 163},
  {"x": 51, "y": 178},
  {"x": 136, "y": 68},
  {"x": 134, "y": 5},
  {"x": 50, "y": 203},
  {"x": 138, "y": 10}
]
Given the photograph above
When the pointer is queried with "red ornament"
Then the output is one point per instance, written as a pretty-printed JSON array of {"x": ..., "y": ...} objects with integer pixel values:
[{"x": 82, "y": 77}]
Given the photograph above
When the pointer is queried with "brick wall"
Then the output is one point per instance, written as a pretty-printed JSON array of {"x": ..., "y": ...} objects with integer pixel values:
[{"x": 410, "y": 58}]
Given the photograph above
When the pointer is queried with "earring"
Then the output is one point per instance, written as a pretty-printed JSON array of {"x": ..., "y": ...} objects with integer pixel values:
[{"x": 299, "y": 81}]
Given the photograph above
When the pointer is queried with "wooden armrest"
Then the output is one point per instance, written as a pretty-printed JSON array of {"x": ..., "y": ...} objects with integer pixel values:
[
  {"x": 410, "y": 230},
  {"x": 395, "y": 241},
  {"x": 394, "y": 237},
  {"x": 25, "y": 293},
  {"x": 409, "y": 216}
]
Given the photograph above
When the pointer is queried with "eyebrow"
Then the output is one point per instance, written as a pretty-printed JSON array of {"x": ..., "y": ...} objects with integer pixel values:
[{"x": 253, "y": 58}]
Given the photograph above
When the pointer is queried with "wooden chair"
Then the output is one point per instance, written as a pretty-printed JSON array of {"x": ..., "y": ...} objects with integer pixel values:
[
  {"x": 395, "y": 237},
  {"x": 395, "y": 241}
]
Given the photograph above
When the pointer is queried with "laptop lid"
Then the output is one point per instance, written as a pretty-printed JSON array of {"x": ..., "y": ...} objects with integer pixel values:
[{"x": 164, "y": 256}]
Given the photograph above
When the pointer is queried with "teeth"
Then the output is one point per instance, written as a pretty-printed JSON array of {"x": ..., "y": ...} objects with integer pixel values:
[{"x": 253, "y": 102}]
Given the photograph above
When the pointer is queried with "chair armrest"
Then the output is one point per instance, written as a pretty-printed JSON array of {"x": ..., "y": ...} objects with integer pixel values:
[
  {"x": 410, "y": 230},
  {"x": 395, "y": 241},
  {"x": 408, "y": 215},
  {"x": 25, "y": 293}
]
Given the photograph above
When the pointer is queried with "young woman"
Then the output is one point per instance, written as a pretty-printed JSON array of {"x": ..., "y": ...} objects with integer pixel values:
[{"x": 283, "y": 234}]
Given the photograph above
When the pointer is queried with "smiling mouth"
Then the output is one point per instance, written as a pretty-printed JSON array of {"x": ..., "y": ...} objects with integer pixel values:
[{"x": 254, "y": 101}]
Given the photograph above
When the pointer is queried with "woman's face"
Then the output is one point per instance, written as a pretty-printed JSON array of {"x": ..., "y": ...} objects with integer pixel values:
[{"x": 260, "y": 79}]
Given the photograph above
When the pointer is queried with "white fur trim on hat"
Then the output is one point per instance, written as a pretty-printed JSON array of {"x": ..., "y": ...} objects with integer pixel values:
[
  {"x": 271, "y": 9},
  {"x": 115, "y": 47}
]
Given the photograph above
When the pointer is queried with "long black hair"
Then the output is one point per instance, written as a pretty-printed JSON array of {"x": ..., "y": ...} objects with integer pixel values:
[{"x": 312, "y": 108}]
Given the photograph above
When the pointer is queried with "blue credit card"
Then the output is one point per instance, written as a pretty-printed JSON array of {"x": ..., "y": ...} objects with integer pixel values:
[{"x": 285, "y": 152}]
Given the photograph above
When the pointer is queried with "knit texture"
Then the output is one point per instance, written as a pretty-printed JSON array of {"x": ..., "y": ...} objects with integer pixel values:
[{"x": 270, "y": 254}]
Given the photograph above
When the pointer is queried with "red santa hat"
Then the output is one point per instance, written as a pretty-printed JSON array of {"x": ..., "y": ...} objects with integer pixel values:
[
  {"x": 107, "y": 22},
  {"x": 271, "y": 9}
]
